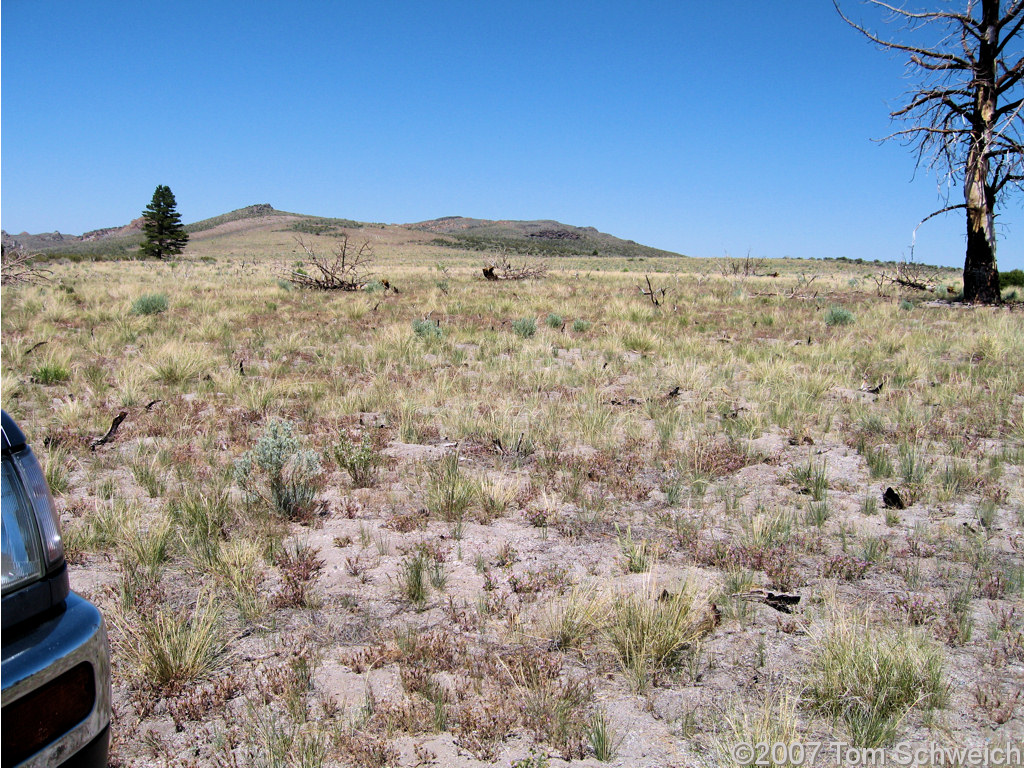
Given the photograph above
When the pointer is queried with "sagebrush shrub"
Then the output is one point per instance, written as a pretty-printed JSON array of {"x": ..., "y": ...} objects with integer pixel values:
[
  {"x": 427, "y": 329},
  {"x": 836, "y": 315},
  {"x": 525, "y": 327},
  {"x": 279, "y": 473}
]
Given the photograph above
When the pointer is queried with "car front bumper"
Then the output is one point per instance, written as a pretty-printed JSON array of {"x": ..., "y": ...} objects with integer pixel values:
[{"x": 46, "y": 673}]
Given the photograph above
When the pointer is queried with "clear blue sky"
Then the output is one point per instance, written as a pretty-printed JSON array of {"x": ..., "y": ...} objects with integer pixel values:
[{"x": 697, "y": 127}]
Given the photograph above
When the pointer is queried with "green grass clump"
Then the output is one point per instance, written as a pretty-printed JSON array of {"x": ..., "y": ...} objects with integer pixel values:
[
  {"x": 879, "y": 462},
  {"x": 449, "y": 493},
  {"x": 836, "y": 315},
  {"x": 580, "y": 326},
  {"x": 555, "y": 321},
  {"x": 636, "y": 555},
  {"x": 412, "y": 579},
  {"x": 869, "y": 678},
  {"x": 150, "y": 304},
  {"x": 51, "y": 372}
]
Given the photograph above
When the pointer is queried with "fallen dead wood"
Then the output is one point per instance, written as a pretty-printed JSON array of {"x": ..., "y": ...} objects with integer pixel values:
[
  {"x": 110, "y": 432},
  {"x": 504, "y": 269}
]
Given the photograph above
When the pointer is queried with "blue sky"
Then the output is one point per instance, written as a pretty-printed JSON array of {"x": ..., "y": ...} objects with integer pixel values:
[{"x": 691, "y": 126}]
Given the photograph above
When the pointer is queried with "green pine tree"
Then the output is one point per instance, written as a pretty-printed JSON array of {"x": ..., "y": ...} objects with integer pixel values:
[{"x": 161, "y": 225}]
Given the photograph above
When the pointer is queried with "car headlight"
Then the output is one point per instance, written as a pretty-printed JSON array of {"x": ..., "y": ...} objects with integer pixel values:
[{"x": 31, "y": 540}]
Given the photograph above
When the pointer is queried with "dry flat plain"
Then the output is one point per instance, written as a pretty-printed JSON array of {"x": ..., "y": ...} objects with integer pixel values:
[{"x": 529, "y": 523}]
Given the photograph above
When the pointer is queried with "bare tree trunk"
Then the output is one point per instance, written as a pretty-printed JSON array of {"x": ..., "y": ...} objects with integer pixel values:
[{"x": 981, "y": 277}]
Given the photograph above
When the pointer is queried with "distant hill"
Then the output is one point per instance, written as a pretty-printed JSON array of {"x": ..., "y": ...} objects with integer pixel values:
[
  {"x": 117, "y": 242},
  {"x": 542, "y": 237}
]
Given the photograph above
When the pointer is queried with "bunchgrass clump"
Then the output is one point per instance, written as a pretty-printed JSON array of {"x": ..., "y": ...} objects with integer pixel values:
[
  {"x": 651, "y": 634},
  {"x": 150, "y": 304},
  {"x": 449, "y": 493},
  {"x": 412, "y": 579},
  {"x": 167, "y": 650},
  {"x": 637, "y": 556},
  {"x": 571, "y": 623},
  {"x": 811, "y": 478},
  {"x": 879, "y": 461},
  {"x": 202, "y": 517},
  {"x": 774, "y": 725},
  {"x": 51, "y": 372},
  {"x": 601, "y": 739},
  {"x": 870, "y": 677}
]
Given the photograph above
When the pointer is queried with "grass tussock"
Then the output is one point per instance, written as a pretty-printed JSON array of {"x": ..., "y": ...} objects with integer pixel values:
[
  {"x": 869, "y": 677},
  {"x": 167, "y": 650}
]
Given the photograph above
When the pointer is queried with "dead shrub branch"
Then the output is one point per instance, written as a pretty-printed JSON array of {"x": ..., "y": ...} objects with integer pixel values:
[{"x": 345, "y": 268}]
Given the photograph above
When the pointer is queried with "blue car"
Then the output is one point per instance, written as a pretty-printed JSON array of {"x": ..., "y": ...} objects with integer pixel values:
[{"x": 56, "y": 661}]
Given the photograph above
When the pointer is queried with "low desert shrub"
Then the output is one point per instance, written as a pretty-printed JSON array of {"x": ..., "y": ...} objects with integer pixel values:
[
  {"x": 280, "y": 474},
  {"x": 837, "y": 315},
  {"x": 525, "y": 327},
  {"x": 1012, "y": 278},
  {"x": 427, "y": 329},
  {"x": 361, "y": 460}
]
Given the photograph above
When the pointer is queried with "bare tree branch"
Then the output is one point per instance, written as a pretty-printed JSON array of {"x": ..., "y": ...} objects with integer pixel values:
[{"x": 17, "y": 266}]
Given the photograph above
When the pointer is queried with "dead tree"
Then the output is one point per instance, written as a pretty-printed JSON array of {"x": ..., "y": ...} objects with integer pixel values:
[
  {"x": 963, "y": 113},
  {"x": 345, "y": 268},
  {"x": 505, "y": 269},
  {"x": 652, "y": 293}
]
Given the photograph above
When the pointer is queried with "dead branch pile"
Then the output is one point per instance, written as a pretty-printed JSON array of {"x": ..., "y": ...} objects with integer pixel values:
[
  {"x": 909, "y": 274},
  {"x": 505, "y": 269},
  {"x": 17, "y": 267},
  {"x": 345, "y": 268},
  {"x": 746, "y": 267}
]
